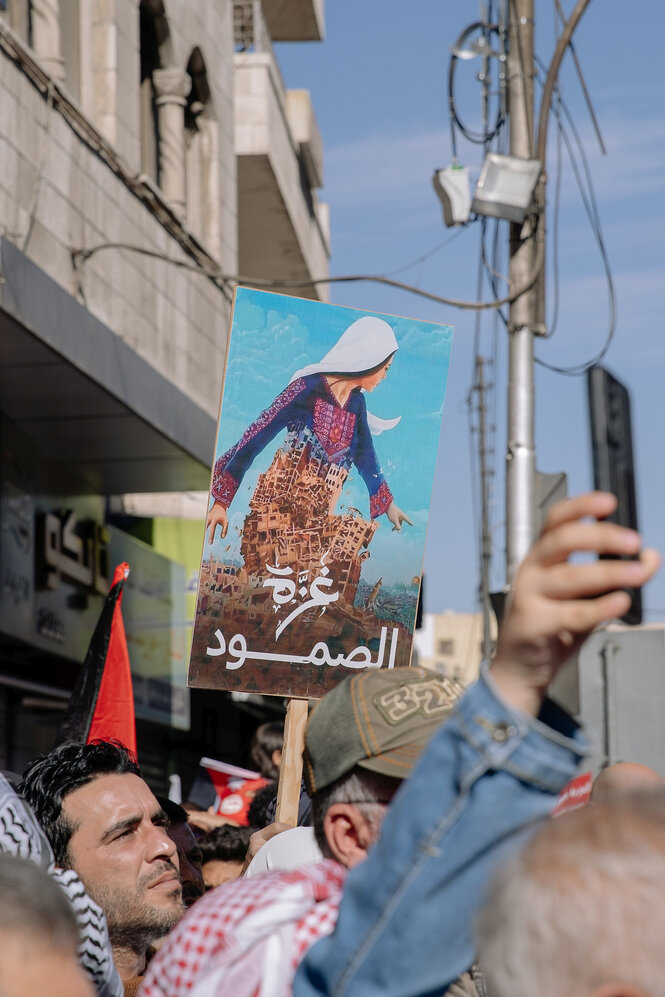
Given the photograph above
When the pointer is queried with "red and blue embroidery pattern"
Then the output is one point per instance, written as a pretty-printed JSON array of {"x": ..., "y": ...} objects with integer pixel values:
[
  {"x": 333, "y": 427},
  {"x": 224, "y": 485},
  {"x": 380, "y": 501}
]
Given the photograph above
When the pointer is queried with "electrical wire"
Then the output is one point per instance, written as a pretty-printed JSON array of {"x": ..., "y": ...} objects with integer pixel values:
[
  {"x": 591, "y": 209},
  {"x": 227, "y": 280},
  {"x": 472, "y": 136},
  {"x": 428, "y": 254},
  {"x": 552, "y": 325}
]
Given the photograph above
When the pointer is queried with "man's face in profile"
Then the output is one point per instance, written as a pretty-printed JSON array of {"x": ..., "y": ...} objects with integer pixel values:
[{"x": 126, "y": 860}]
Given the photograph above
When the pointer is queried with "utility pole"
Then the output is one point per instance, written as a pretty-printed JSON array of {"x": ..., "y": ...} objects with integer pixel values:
[
  {"x": 520, "y": 458},
  {"x": 486, "y": 538}
]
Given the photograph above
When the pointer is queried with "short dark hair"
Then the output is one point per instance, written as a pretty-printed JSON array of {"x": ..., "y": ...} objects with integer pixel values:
[
  {"x": 225, "y": 844},
  {"x": 257, "y": 812},
  {"x": 267, "y": 738},
  {"x": 34, "y": 905},
  {"x": 47, "y": 781}
]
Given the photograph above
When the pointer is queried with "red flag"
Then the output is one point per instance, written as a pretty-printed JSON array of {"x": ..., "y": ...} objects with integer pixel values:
[
  {"x": 235, "y": 789},
  {"x": 113, "y": 717},
  {"x": 102, "y": 703}
]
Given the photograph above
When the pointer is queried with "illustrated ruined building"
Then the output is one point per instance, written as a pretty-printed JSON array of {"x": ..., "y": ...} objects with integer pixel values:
[{"x": 291, "y": 522}]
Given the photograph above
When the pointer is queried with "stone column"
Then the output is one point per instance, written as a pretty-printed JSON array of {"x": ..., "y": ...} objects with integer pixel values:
[
  {"x": 45, "y": 23},
  {"x": 171, "y": 88}
]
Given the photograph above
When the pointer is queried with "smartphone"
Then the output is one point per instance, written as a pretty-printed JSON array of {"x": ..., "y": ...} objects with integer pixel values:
[{"x": 612, "y": 450}]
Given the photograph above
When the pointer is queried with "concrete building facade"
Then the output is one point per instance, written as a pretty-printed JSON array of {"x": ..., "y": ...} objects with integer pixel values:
[
  {"x": 149, "y": 156},
  {"x": 452, "y": 644}
]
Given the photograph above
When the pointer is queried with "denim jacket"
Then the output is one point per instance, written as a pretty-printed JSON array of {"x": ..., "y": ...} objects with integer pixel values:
[{"x": 485, "y": 780}]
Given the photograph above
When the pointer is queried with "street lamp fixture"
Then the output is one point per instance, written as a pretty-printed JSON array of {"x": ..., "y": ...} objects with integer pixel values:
[{"x": 505, "y": 187}]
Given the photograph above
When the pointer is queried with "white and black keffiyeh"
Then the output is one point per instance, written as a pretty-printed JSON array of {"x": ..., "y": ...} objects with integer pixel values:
[{"x": 21, "y": 835}]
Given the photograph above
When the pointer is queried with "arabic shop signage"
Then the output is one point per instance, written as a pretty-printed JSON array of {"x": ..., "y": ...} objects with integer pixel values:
[
  {"x": 53, "y": 569},
  {"x": 74, "y": 550}
]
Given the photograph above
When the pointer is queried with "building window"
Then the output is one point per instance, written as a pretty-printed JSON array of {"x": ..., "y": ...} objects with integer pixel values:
[
  {"x": 154, "y": 33},
  {"x": 446, "y": 646},
  {"x": 202, "y": 158}
]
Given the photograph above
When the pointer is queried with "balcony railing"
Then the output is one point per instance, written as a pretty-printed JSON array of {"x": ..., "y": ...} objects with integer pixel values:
[{"x": 249, "y": 27}]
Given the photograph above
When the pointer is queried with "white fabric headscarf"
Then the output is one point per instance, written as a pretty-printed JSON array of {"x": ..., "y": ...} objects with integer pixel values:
[{"x": 367, "y": 342}]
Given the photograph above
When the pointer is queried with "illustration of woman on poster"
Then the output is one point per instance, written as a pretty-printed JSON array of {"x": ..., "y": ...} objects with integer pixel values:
[{"x": 329, "y": 430}]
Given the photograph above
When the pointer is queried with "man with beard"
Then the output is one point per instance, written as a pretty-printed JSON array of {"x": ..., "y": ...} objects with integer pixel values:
[{"x": 103, "y": 822}]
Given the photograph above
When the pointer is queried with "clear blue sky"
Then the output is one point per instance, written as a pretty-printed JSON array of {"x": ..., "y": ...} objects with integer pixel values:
[{"x": 379, "y": 87}]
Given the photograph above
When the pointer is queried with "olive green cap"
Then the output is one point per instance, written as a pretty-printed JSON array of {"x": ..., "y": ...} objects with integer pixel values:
[{"x": 380, "y": 719}]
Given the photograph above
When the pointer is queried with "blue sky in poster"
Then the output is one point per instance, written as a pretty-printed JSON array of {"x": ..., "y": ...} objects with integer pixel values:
[{"x": 273, "y": 336}]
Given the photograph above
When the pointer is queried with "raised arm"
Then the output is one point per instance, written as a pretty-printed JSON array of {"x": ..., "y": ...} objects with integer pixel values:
[{"x": 487, "y": 776}]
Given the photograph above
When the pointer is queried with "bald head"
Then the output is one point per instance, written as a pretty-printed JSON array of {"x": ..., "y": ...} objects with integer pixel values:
[
  {"x": 577, "y": 912},
  {"x": 624, "y": 777}
]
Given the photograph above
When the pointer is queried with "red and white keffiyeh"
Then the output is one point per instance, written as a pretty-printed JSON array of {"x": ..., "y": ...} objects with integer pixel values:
[{"x": 247, "y": 937}]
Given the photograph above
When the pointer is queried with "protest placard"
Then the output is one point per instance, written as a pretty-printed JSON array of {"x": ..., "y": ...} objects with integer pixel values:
[{"x": 320, "y": 492}]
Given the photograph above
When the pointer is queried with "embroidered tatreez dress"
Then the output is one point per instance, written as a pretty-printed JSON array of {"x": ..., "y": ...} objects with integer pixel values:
[{"x": 332, "y": 434}]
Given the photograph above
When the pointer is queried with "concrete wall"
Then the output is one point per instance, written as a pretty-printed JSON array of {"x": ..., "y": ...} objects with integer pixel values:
[{"x": 58, "y": 193}]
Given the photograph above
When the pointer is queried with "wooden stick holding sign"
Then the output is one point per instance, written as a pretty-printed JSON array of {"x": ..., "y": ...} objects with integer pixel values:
[{"x": 290, "y": 773}]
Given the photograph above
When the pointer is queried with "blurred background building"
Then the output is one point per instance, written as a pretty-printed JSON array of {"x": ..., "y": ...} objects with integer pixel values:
[
  {"x": 149, "y": 156},
  {"x": 452, "y": 644}
]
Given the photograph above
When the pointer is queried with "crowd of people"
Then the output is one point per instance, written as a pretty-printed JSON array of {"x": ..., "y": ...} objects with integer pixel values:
[{"x": 428, "y": 863}]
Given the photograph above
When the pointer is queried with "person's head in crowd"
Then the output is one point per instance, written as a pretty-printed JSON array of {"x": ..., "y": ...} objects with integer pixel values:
[
  {"x": 103, "y": 821},
  {"x": 257, "y": 812},
  {"x": 189, "y": 854},
  {"x": 576, "y": 913},
  {"x": 266, "y": 749},
  {"x": 624, "y": 777},
  {"x": 223, "y": 853},
  {"x": 362, "y": 740},
  {"x": 39, "y": 936}
]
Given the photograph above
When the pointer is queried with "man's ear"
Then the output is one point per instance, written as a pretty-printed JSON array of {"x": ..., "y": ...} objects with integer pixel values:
[{"x": 348, "y": 833}]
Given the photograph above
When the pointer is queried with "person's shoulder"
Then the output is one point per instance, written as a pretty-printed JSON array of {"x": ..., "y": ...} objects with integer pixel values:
[{"x": 307, "y": 382}]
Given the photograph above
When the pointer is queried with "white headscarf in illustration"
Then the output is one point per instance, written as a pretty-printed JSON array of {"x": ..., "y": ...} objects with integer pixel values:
[{"x": 364, "y": 345}]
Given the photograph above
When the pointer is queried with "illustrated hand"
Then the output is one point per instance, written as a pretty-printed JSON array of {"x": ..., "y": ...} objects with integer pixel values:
[
  {"x": 397, "y": 517},
  {"x": 555, "y": 605},
  {"x": 217, "y": 517}
]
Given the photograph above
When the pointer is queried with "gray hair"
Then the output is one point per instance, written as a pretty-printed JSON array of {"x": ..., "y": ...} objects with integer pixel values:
[
  {"x": 369, "y": 791},
  {"x": 35, "y": 906},
  {"x": 580, "y": 905}
]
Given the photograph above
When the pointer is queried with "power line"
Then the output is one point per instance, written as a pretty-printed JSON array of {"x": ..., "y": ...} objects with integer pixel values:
[
  {"x": 590, "y": 204},
  {"x": 225, "y": 280}
]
